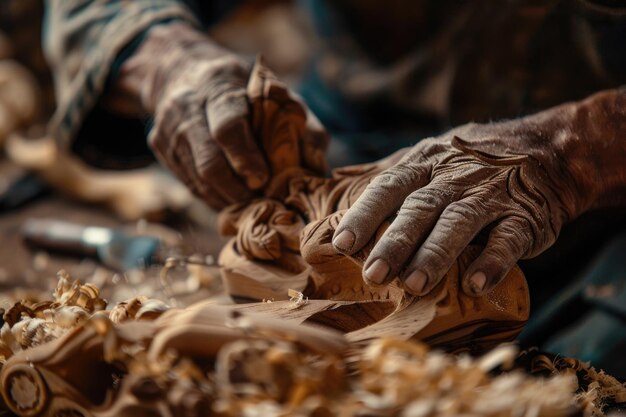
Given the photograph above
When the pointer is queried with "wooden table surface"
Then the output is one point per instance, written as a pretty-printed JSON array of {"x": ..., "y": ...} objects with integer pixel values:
[{"x": 25, "y": 270}]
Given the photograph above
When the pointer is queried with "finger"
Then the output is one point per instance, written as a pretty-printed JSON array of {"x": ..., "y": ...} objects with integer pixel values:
[
  {"x": 203, "y": 190},
  {"x": 226, "y": 182},
  {"x": 211, "y": 165},
  {"x": 160, "y": 137},
  {"x": 508, "y": 242},
  {"x": 414, "y": 221},
  {"x": 169, "y": 121},
  {"x": 228, "y": 117},
  {"x": 458, "y": 224},
  {"x": 382, "y": 197},
  {"x": 167, "y": 156}
]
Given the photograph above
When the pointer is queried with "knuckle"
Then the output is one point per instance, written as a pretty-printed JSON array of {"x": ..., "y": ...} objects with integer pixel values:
[
  {"x": 423, "y": 200},
  {"x": 433, "y": 255},
  {"x": 210, "y": 167},
  {"x": 228, "y": 96},
  {"x": 385, "y": 180},
  {"x": 230, "y": 114},
  {"x": 399, "y": 241},
  {"x": 506, "y": 248},
  {"x": 205, "y": 171},
  {"x": 408, "y": 174},
  {"x": 233, "y": 96},
  {"x": 516, "y": 234},
  {"x": 227, "y": 70},
  {"x": 399, "y": 178},
  {"x": 173, "y": 109},
  {"x": 427, "y": 149},
  {"x": 461, "y": 212},
  {"x": 368, "y": 202},
  {"x": 232, "y": 64},
  {"x": 500, "y": 254},
  {"x": 178, "y": 100}
]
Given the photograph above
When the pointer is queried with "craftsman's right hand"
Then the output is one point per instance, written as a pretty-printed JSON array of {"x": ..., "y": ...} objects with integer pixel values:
[{"x": 196, "y": 92}]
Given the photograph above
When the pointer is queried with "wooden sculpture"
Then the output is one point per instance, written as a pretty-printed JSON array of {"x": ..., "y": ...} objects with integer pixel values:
[{"x": 283, "y": 242}]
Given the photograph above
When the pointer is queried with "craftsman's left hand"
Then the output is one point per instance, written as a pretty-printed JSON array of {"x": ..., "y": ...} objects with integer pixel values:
[{"x": 519, "y": 181}]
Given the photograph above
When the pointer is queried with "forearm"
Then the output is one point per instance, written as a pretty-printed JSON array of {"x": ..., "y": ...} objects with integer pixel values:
[
  {"x": 581, "y": 142},
  {"x": 85, "y": 40},
  {"x": 589, "y": 138},
  {"x": 603, "y": 118}
]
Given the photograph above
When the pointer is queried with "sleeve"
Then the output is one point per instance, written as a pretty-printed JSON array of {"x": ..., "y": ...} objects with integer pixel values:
[
  {"x": 602, "y": 26},
  {"x": 84, "y": 41}
]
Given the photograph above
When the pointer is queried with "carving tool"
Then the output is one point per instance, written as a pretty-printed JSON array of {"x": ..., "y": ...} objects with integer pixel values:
[{"x": 113, "y": 248}]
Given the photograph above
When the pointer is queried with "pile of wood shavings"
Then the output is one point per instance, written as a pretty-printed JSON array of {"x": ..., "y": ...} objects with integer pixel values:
[
  {"x": 405, "y": 376},
  {"x": 597, "y": 389},
  {"x": 30, "y": 323},
  {"x": 269, "y": 377}
]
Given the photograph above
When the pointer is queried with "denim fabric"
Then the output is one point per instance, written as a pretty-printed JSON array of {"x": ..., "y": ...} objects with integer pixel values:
[{"x": 586, "y": 319}]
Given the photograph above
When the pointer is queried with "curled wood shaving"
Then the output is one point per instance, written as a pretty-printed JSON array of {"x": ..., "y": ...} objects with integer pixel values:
[
  {"x": 597, "y": 388},
  {"x": 29, "y": 323},
  {"x": 297, "y": 298},
  {"x": 266, "y": 374}
]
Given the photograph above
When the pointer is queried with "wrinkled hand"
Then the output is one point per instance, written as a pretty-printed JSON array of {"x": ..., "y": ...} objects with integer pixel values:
[
  {"x": 202, "y": 132},
  {"x": 517, "y": 182}
]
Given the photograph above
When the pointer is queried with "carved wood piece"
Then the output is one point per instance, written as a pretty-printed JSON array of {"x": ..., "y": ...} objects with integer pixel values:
[
  {"x": 264, "y": 260},
  {"x": 77, "y": 373}
]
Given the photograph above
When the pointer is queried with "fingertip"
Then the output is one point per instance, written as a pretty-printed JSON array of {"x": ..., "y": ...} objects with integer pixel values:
[
  {"x": 344, "y": 240},
  {"x": 376, "y": 272},
  {"x": 476, "y": 283},
  {"x": 415, "y": 283},
  {"x": 480, "y": 281}
]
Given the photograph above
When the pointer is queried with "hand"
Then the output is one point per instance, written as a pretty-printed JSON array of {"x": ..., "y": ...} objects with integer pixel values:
[
  {"x": 202, "y": 132},
  {"x": 517, "y": 181}
]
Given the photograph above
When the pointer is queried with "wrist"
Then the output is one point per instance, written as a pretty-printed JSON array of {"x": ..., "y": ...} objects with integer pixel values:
[{"x": 166, "y": 51}]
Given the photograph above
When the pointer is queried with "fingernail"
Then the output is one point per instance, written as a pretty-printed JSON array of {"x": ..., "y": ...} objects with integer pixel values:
[
  {"x": 377, "y": 271},
  {"x": 416, "y": 282},
  {"x": 344, "y": 240},
  {"x": 478, "y": 281}
]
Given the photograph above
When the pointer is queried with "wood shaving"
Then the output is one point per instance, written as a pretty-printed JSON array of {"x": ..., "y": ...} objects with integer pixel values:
[
  {"x": 297, "y": 298},
  {"x": 141, "y": 357}
]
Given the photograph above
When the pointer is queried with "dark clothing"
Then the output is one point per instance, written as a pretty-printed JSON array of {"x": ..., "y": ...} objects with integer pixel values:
[
  {"x": 467, "y": 61},
  {"x": 383, "y": 65}
]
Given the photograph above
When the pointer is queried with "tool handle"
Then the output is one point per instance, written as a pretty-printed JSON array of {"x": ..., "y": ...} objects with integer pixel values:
[
  {"x": 65, "y": 236},
  {"x": 21, "y": 191}
]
